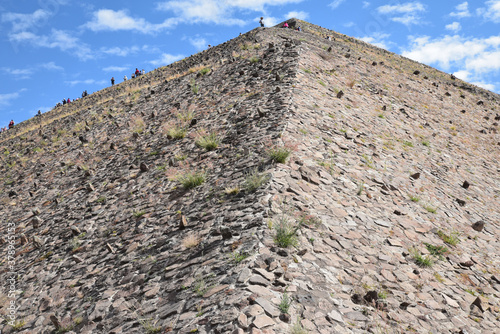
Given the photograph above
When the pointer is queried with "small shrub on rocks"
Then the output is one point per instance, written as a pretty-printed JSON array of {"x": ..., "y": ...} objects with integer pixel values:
[
  {"x": 297, "y": 328},
  {"x": 137, "y": 124},
  {"x": 191, "y": 241},
  {"x": 204, "y": 71},
  {"x": 177, "y": 132},
  {"x": 150, "y": 326},
  {"x": 279, "y": 154},
  {"x": 286, "y": 301},
  {"x": 422, "y": 261},
  {"x": 254, "y": 180},
  {"x": 191, "y": 180},
  {"x": 286, "y": 232},
  {"x": 208, "y": 141},
  {"x": 450, "y": 239},
  {"x": 436, "y": 250}
]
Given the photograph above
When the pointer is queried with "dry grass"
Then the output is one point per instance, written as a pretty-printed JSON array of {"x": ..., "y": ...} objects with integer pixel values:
[{"x": 191, "y": 241}]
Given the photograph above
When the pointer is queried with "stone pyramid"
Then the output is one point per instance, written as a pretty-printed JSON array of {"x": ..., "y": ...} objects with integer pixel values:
[{"x": 280, "y": 182}]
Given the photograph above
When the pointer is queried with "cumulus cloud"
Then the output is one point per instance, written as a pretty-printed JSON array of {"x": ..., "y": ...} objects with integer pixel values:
[
  {"x": 378, "y": 39},
  {"x": 199, "y": 43},
  {"x": 298, "y": 15},
  {"x": 111, "y": 20},
  {"x": 120, "y": 51},
  {"x": 462, "y": 10},
  {"x": 366, "y": 4},
  {"x": 86, "y": 82},
  {"x": 51, "y": 66},
  {"x": 57, "y": 39},
  {"x": 492, "y": 12},
  {"x": 454, "y": 27},
  {"x": 115, "y": 68},
  {"x": 22, "y": 22},
  {"x": 6, "y": 99},
  {"x": 166, "y": 59},
  {"x": 336, "y": 3},
  {"x": 218, "y": 12},
  {"x": 474, "y": 59},
  {"x": 408, "y": 13}
]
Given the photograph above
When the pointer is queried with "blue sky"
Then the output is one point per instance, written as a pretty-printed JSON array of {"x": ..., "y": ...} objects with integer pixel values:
[{"x": 55, "y": 49}]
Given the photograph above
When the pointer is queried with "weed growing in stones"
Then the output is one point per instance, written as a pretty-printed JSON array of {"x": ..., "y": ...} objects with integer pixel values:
[
  {"x": 204, "y": 71},
  {"x": 437, "y": 251},
  {"x": 321, "y": 83},
  {"x": 175, "y": 131},
  {"x": 414, "y": 198},
  {"x": 138, "y": 214},
  {"x": 279, "y": 154},
  {"x": 150, "y": 326},
  {"x": 286, "y": 231},
  {"x": 137, "y": 124},
  {"x": 297, "y": 328},
  {"x": 450, "y": 239},
  {"x": 285, "y": 303},
  {"x": 209, "y": 141},
  {"x": 200, "y": 286},
  {"x": 307, "y": 70},
  {"x": 192, "y": 179},
  {"x": 361, "y": 187},
  {"x": 194, "y": 87},
  {"x": 18, "y": 325},
  {"x": 408, "y": 143},
  {"x": 254, "y": 59},
  {"x": 430, "y": 208},
  {"x": 426, "y": 143},
  {"x": 438, "y": 277},
  {"x": 238, "y": 257},
  {"x": 191, "y": 241},
  {"x": 232, "y": 191},
  {"x": 422, "y": 261},
  {"x": 254, "y": 180},
  {"x": 186, "y": 116}
]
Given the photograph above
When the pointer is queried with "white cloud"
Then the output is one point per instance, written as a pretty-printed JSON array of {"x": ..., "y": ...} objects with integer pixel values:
[
  {"x": 22, "y": 22},
  {"x": 336, "y": 3},
  {"x": 18, "y": 74},
  {"x": 218, "y": 12},
  {"x": 208, "y": 11},
  {"x": 166, "y": 59},
  {"x": 349, "y": 24},
  {"x": 57, "y": 39},
  {"x": 366, "y": 4},
  {"x": 5, "y": 99},
  {"x": 199, "y": 43},
  {"x": 110, "y": 20},
  {"x": 298, "y": 15},
  {"x": 485, "y": 85},
  {"x": 409, "y": 7},
  {"x": 116, "y": 68},
  {"x": 462, "y": 10},
  {"x": 377, "y": 39},
  {"x": 51, "y": 66},
  {"x": 86, "y": 82},
  {"x": 474, "y": 59},
  {"x": 462, "y": 74},
  {"x": 271, "y": 21},
  {"x": 454, "y": 27},
  {"x": 492, "y": 13},
  {"x": 407, "y": 13},
  {"x": 121, "y": 52}
]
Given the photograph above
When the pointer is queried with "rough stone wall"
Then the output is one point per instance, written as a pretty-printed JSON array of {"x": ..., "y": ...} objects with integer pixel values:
[{"x": 109, "y": 241}]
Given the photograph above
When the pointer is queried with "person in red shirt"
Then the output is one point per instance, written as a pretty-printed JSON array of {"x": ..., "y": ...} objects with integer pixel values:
[{"x": 11, "y": 124}]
